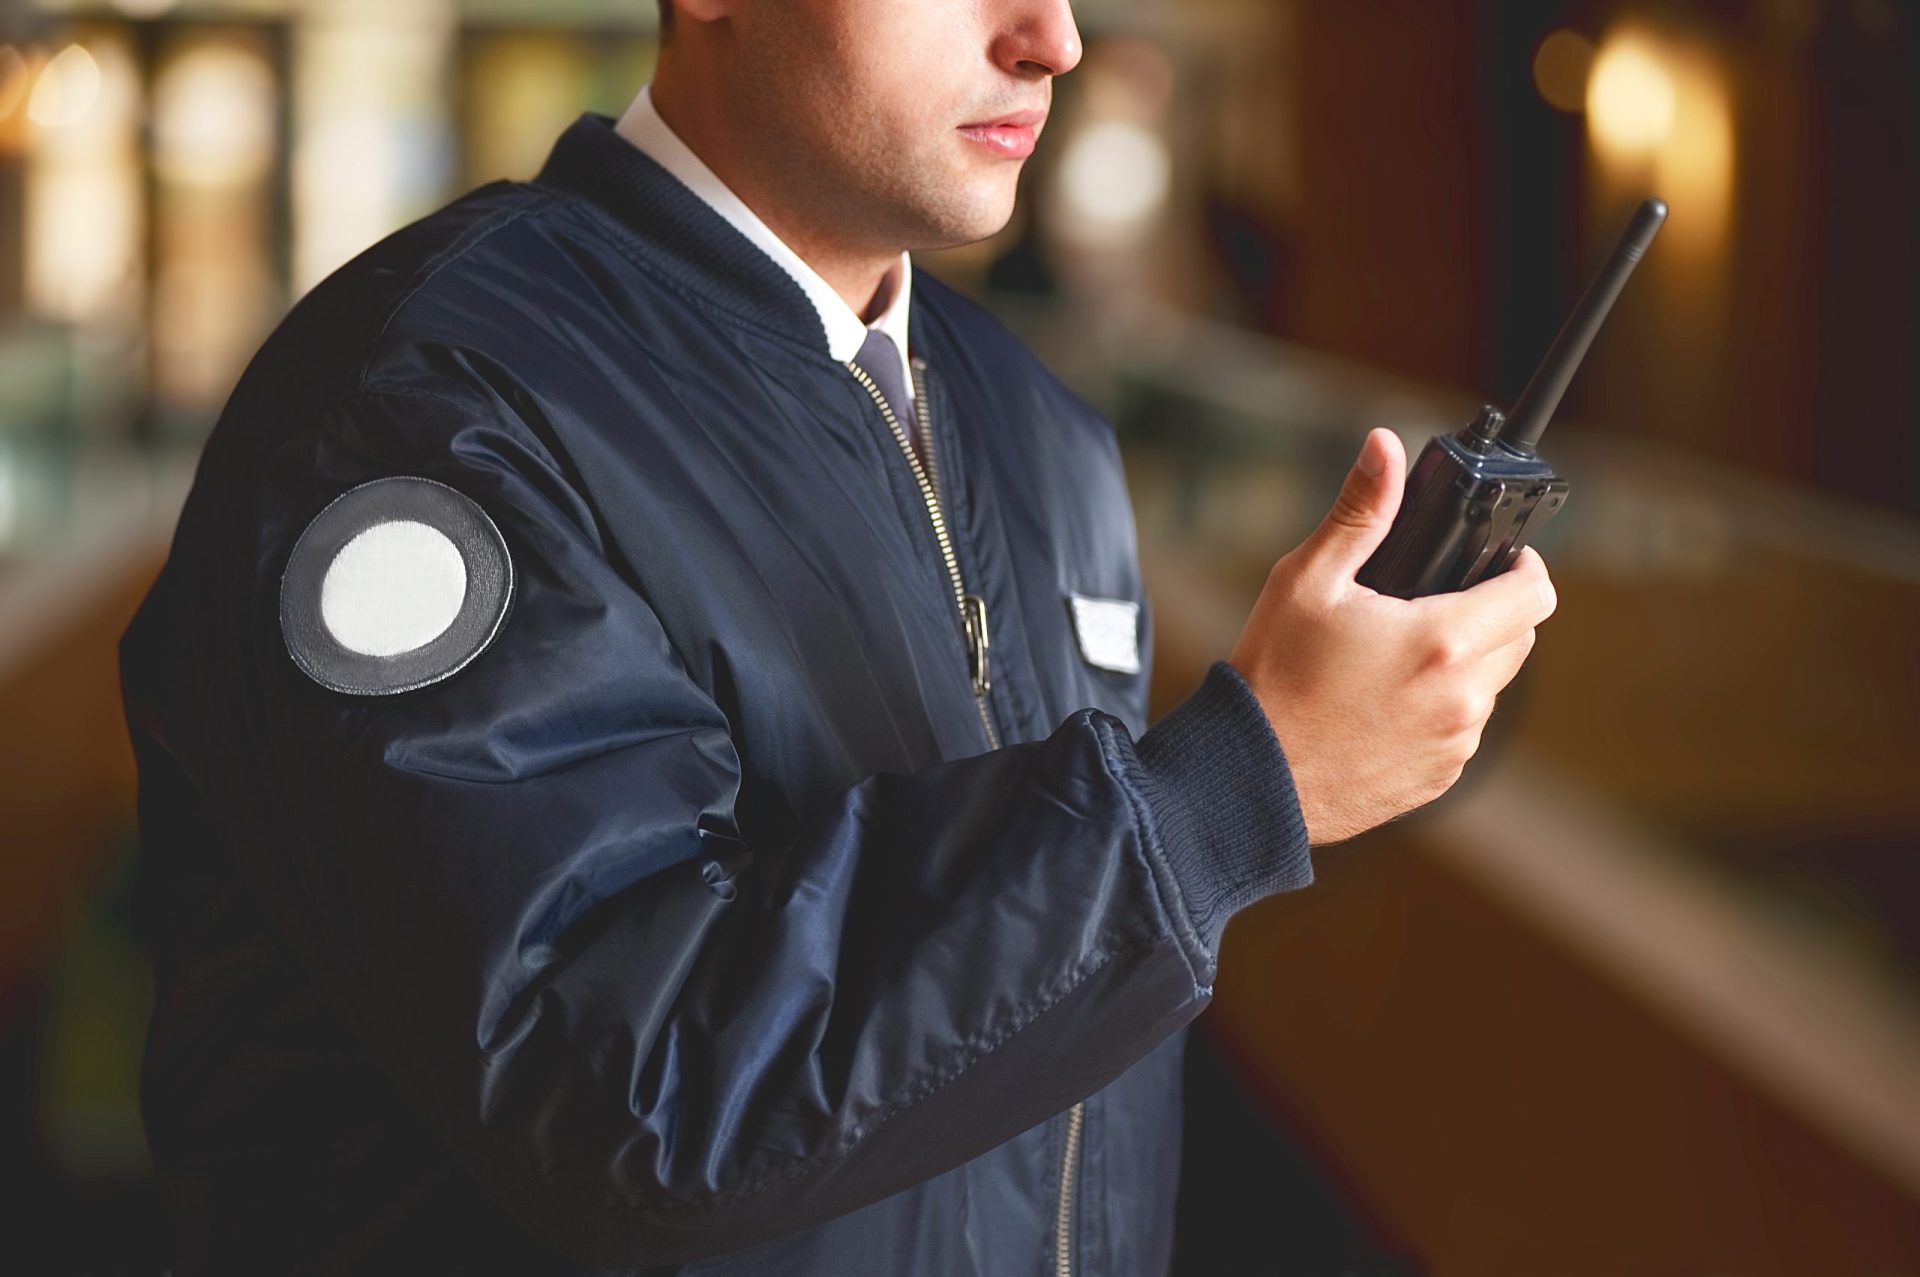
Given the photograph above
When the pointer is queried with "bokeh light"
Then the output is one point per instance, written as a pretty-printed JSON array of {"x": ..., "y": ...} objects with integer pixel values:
[
  {"x": 213, "y": 117},
  {"x": 15, "y": 79},
  {"x": 85, "y": 202},
  {"x": 1694, "y": 168},
  {"x": 1561, "y": 68},
  {"x": 1661, "y": 119},
  {"x": 1114, "y": 176},
  {"x": 1630, "y": 96},
  {"x": 68, "y": 87}
]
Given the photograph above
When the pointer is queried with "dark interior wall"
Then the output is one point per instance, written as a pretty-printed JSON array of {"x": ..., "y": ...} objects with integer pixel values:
[
  {"x": 1865, "y": 180},
  {"x": 1448, "y": 219},
  {"x": 1792, "y": 354},
  {"x": 1393, "y": 234},
  {"x": 1537, "y": 220}
]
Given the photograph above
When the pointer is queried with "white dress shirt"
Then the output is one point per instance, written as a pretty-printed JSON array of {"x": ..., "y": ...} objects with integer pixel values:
[{"x": 846, "y": 333}]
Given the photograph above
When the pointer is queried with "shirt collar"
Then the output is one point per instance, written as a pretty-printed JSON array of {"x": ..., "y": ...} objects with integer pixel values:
[{"x": 846, "y": 333}]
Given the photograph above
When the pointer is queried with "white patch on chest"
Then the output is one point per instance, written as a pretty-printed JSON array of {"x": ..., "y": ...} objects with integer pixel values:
[{"x": 1109, "y": 632}]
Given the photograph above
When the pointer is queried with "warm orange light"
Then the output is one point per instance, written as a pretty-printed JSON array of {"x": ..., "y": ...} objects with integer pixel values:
[
  {"x": 69, "y": 85},
  {"x": 1695, "y": 168},
  {"x": 213, "y": 117},
  {"x": 372, "y": 129},
  {"x": 1630, "y": 96},
  {"x": 14, "y": 79},
  {"x": 1561, "y": 68},
  {"x": 83, "y": 206},
  {"x": 1661, "y": 116}
]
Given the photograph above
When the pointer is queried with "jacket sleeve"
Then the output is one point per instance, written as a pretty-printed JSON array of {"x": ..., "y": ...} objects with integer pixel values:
[{"x": 524, "y": 889}]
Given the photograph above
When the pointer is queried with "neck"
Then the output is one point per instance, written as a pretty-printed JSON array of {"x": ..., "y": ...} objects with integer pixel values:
[{"x": 865, "y": 278}]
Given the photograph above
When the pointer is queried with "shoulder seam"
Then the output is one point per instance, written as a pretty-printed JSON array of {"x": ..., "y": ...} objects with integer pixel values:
[{"x": 461, "y": 248}]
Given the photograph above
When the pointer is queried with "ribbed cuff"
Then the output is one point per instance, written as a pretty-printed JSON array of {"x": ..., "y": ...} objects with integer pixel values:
[{"x": 1222, "y": 799}]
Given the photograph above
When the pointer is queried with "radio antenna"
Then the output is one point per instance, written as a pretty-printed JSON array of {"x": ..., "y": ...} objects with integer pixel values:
[{"x": 1530, "y": 415}]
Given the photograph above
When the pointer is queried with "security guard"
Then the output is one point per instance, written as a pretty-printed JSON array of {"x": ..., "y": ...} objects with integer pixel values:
[{"x": 643, "y": 760}]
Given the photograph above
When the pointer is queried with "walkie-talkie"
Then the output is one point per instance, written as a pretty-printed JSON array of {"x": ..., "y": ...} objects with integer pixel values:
[{"x": 1475, "y": 497}]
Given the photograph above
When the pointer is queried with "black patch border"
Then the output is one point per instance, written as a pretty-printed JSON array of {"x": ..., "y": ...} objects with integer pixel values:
[{"x": 397, "y": 497}]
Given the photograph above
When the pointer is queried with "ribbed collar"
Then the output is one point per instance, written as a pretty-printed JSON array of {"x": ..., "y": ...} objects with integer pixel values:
[
  {"x": 699, "y": 248},
  {"x": 847, "y": 332}
]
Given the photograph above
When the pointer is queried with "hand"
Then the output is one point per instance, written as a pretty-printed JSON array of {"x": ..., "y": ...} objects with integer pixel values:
[{"x": 1379, "y": 702}]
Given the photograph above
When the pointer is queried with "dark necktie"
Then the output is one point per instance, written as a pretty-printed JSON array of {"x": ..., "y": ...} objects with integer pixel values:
[{"x": 881, "y": 360}]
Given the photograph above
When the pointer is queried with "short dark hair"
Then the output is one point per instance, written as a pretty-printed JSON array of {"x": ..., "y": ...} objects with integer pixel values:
[{"x": 666, "y": 16}]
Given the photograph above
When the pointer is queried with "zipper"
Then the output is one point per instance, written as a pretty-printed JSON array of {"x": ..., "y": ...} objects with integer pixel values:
[
  {"x": 975, "y": 634},
  {"x": 1069, "y": 1174},
  {"x": 972, "y": 607}
]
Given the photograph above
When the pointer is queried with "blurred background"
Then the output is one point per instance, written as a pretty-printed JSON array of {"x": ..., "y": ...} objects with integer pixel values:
[{"x": 1640, "y": 995}]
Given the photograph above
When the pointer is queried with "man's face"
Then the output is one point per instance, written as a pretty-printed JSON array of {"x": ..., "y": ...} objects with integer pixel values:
[{"x": 859, "y": 109}]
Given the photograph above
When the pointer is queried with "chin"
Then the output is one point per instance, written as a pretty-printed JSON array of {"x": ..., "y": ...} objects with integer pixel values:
[
  {"x": 975, "y": 230},
  {"x": 991, "y": 207},
  {"x": 957, "y": 204}
]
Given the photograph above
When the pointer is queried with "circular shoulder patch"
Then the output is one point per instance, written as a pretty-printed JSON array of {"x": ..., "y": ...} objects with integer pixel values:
[{"x": 396, "y": 584}]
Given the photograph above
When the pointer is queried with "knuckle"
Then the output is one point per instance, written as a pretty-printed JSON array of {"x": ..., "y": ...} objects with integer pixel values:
[
  {"x": 1349, "y": 510},
  {"x": 1456, "y": 715},
  {"x": 1448, "y": 649},
  {"x": 1288, "y": 588},
  {"x": 1467, "y": 713},
  {"x": 1477, "y": 708},
  {"x": 1293, "y": 581}
]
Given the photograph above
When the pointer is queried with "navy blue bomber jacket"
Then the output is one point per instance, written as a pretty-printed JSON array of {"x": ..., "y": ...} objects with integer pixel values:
[{"x": 704, "y": 916}]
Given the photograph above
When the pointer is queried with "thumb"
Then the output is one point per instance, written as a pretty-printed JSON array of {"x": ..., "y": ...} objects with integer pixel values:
[{"x": 1364, "y": 510}]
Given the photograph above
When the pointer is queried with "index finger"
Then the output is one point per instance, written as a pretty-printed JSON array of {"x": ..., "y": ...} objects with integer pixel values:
[{"x": 1496, "y": 611}]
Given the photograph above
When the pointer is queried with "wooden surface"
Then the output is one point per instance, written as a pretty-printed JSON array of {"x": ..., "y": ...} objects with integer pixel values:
[
  {"x": 70, "y": 580},
  {"x": 1509, "y": 1108},
  {"x": 68, "y": 790}
]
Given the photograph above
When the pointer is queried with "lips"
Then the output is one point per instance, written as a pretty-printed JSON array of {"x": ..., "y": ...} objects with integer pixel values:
[
  {"x": 1009, "y": 135},
  {"x": 1018, "y": 120}
]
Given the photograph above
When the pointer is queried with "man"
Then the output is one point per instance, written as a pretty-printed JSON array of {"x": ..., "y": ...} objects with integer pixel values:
[{"x": 642, "y": 739}]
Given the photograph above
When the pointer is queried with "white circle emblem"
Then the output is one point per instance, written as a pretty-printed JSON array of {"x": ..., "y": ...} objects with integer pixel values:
[{"x": 394, "y": 587}]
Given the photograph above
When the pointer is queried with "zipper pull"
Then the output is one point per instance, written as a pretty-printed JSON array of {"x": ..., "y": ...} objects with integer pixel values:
[{"x": 973, "y": 616}]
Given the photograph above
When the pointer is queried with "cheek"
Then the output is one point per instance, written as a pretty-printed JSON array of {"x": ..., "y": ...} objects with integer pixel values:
[
  {"x": 910, "y": 68},
  {"x": 879, "y": 101},
  {"x": 895, "y": 122}
]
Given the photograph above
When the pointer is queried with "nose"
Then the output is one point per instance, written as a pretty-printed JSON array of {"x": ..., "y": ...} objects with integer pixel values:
[{"x": 1036, "y": 37}]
